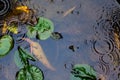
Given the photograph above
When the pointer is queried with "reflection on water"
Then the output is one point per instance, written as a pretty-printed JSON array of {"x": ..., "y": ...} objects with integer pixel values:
[{"x": 91, "y": 26}]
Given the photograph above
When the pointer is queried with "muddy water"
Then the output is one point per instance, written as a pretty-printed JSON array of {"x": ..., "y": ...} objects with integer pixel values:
[{"x": 90, "y": 28}]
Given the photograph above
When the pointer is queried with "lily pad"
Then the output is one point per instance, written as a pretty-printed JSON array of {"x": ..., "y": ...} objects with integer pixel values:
[
  {"x": 25, "y": 56},
  {"x": 21, "y": 57},
  {"x": 42, "y": 30},
  {"x": 83, "y": 72},
  {"x": 30, "y": 73},
  {"x": 6, "y": 44},
  {"x": 45, "y": 28}
]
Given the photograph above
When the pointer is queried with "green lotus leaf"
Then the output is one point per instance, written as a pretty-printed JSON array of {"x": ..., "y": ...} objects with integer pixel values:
[
  {"x": 25, "y": 56},
  {"x": 44, "y": 28},
  {"x": 21, "y": 57},
  {"x": 83, "y": 72},
  {"x": 31, "y": 33},
  {"x": 6, "y": 44},
  {"x": 18, "y": 60},
  {"x": 30, "y": 73}
]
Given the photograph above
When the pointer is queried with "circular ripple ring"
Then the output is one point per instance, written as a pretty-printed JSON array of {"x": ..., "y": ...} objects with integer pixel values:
[{"x": 5, "y": 6}]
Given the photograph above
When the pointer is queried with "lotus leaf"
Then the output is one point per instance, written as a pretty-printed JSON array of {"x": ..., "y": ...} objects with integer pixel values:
[
  {"x": 30, "y": 73},
  {"x": 42, "y": 30},
  {"x": 18, "y": 60},
  {"x": 25, "y": 56},
  {"x": 6, "y": 44},
  {"x": 45, "y": 28},
  {"x": 83, "y": 72}
]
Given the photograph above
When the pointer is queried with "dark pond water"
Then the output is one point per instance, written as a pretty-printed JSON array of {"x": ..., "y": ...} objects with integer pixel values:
[{"x": 90, "y": 28}]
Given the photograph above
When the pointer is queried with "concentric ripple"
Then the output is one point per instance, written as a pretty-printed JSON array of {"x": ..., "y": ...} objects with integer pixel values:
[
  {"x": 106, "y": 59},
  {"x": 102, "y": 68},
  {"x": 103, "y": 46},
  {"x": 5, "y": 6},
  {"x": 21, "y": 34},
  {"x": 1, "y": 28}
]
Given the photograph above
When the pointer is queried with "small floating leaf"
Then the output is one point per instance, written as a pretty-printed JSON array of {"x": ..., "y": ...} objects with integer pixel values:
[
  {"x": 44, "y": 27},
  {"x": 56, "y": 36},
  {"x": 6, "y": 44},
  {"x": 30, "y": 73},
  {"x": 31, "y": 32},
  {"x": 83, "y": 72}
]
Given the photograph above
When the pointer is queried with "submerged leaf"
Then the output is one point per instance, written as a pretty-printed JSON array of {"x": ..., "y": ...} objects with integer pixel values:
[
  {"x": 39, "y": 53},
  {"x": 30, "y": 73},
  {"x": 13, "y": 28},
  {"x": 6, "y": 44},
  {"x": 4, "y": 28},
  {"x": 18, "y": 60},
  {"x": 117, "y": 41},
  {"x": 23, "y": 8},
  {"x": 83, "y": 72}
]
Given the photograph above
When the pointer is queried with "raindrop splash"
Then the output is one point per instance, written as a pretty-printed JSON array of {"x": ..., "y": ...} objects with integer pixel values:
[
  {"x": 5, "y": 6},
  {"x": 103, "y": 46}
]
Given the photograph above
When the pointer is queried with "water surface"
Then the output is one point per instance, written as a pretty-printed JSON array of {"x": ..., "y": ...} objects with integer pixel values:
[{"x": 90, "y": 28}]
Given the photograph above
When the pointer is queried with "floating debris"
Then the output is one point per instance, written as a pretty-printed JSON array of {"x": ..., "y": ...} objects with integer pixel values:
[
  {"x": 4, "y": 29},
  {"x": 23, "y": 9},
  {"x": 68, "y": 11},
  {"x": 12, "y": 28},
  {"x": 73, "y": 48},
  {"x": 56, "y": 36},
  {"x": 117, "y": 41}
]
